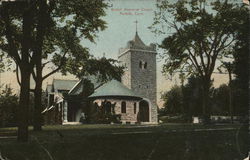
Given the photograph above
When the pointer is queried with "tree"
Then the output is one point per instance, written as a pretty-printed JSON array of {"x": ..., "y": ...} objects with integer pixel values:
[
  {"x": 192, "y": 97},
  {"x": 15, "y": 40},
  {"x": 73, "y": 55},
  {"x": 202, "y": 35},
  {"x": 67, "y": 38},
  {"x": 241, "y": 63},
  {"x": 173, "y": 101},
  {"x": 30, "y": 29}
]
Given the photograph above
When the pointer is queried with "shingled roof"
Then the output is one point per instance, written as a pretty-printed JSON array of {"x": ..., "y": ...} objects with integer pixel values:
[
  {"x": 114, "y": 89},
  {"x": 60, "y": 84},
  {"x": 78, "y": 87}
]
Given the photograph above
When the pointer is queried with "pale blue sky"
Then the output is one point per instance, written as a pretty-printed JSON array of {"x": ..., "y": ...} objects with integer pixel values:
[{"x": 121, "y": 28}]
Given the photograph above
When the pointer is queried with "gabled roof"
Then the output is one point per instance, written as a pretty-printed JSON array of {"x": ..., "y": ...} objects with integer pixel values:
[
  {"x": 77, "y": 88},
  {"x": 60, "y": 84},
  {"x": 113, "y": 88}
]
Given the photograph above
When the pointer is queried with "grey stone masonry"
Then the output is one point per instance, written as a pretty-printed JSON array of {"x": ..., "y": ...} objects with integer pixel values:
[
  {"x": 139, "y": 61},
  {"x": 131, "y": 113}
]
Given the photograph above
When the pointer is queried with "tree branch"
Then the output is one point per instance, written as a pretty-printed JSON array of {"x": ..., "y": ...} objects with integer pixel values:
[
  {"x": 202, "y": 59},
  {"x": 192, "y": 58},
  {"x": 58, "y": 68},
  {"x": 34, "y": 75},
  {"x": 11, "y": 44},
  {"x": 17, "y": 75},
  {"x": 44, "y": 64}
]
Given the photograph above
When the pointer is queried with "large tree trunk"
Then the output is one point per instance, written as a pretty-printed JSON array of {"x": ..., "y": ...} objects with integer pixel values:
[
  {"x": 23, "y": 109},
  {"x": 205, "y": 101},
  {"x": 37, "y": 124},
  {"x": 25, "y": 68}
]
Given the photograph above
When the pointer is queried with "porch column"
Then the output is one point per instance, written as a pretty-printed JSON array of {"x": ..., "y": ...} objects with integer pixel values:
[{"x": 65, "y": 112}]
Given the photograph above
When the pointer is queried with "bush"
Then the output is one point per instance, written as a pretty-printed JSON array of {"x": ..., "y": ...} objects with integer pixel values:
[
  {"x": 97, "y": 114},
  {"x": 8, "y": 108}
]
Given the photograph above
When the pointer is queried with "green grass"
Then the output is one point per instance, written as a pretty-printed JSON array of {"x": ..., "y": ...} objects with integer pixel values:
[{"x": 126, "y": 142}]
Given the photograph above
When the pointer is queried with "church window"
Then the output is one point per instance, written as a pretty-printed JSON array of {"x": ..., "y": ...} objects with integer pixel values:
[
  {"x": 123, "y": 108},
  {"x": 145, "y": 65},
  {"x": 125, "y": 66},
  {"x": 135, "y": 108}
]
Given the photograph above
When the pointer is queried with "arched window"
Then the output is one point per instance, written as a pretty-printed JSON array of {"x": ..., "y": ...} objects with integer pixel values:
[
  {"x": 123, "y": 108},
  {"x": 135, "y": 108},
  {"x": 140, "y": 64},
  {"x": 145, "y": 65}
]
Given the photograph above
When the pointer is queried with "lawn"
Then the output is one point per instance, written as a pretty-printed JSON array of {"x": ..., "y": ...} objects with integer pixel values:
[{"x": 128, "y": 142}]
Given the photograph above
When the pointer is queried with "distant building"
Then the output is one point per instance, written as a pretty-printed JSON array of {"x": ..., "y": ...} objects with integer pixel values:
[{"x": 134, "y": 98}]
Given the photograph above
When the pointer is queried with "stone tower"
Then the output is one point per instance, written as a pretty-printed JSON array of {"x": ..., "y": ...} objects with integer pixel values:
[{"x": 139, "y": 61}]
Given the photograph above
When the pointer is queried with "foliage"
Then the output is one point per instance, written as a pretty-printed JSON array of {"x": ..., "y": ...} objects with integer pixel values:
[
  {"x": 104, "y": 69},
  {"x": 99, "y": 114},
  {"x": 173, "y": 101},
  {"x": 241, "y": 64},
  {"x": 221, "y": 100},
  {"x": 192, "y": 99},
  {"x": 44, "y": 102},
  {"x": 201, "y": 35},
  {"x": 8, "y": 107},
  {"x": 186, "y": 100}
]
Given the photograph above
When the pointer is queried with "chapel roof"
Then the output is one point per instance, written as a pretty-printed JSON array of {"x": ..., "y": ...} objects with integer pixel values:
[
  {"x": 60, "y": 84},
  {"x": 78, "y": 87},
  {"x": 113, "y": 88}
]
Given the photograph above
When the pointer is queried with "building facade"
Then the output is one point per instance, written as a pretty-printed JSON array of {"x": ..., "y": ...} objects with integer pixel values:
[
  {"x": 139, "y": 61},
  {"x": 134, "y": 98}
]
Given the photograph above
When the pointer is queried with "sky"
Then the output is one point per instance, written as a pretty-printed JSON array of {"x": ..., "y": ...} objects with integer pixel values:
[{"x": 121, "y": 28}]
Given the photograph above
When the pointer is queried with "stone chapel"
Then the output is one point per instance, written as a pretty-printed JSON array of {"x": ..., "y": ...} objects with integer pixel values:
[{"x": 134, "y": 97}]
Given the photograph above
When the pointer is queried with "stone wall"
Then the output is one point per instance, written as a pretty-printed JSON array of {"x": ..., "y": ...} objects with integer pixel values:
[
  {"x": 129, "y": 116},
  {"x": 142, "y": 80},
  {"x": 125, "y": 60}
]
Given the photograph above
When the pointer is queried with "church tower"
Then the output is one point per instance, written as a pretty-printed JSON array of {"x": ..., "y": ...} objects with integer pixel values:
[{"x": 139, "y": 75}]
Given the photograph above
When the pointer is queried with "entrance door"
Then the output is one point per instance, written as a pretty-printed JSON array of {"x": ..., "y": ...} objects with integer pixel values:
[{"x": 143, "y": 114}]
